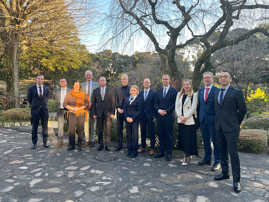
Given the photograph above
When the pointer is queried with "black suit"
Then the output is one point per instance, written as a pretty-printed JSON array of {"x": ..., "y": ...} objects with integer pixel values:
[
  {"x": 132, "y": 110},
  {"x": 121, "y": 94},
  {"x": 148, "y": 113},
  {"x": 166, "y": 122},
  {"x": 229, "y": 115},
  {"x": 39, "y": 111},
  {"x": 103, "y": 109}
]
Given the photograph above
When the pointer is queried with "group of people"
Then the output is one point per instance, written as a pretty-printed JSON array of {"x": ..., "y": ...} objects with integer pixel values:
[{"x": 217, "y": 111}]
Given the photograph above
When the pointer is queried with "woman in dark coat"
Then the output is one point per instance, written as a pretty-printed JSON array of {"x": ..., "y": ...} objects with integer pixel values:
[{"x": 132, "y": 111}]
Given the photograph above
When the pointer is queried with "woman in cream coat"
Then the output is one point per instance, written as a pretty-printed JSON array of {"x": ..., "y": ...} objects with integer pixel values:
[{"x": 185, "y": 108}]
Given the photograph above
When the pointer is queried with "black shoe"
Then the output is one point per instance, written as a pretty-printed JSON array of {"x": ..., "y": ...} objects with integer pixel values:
[
  {"x": 34, "y": 147},
  {"x": 168, "y": 157},
  {"x": 70, "y": 148},
  {"x": 222, "y": 177},
  {"x": 216, "y": 167},
  {"x": 129, "y": 154},
  {"x": 91, "y": 144},
  {"x": 237, "y": 187},
  {"x": 101, "y": 147},
  {"x": 134, "y": 155},
  {"x": 107, "y": 148},
  {"x": 160, "y": 155},
  {"x": 46, "y": 145},
  {"x": 204, "y": 162},
  {"x": 79, "y": 148},
  {"x": 118, "y": 148}
]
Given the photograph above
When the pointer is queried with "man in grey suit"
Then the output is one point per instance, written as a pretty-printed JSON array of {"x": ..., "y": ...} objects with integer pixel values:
[
  {"x": 61, "y": 111},
  {"x": 230, "y": 110},
  {"x": 88, "y": 87}
]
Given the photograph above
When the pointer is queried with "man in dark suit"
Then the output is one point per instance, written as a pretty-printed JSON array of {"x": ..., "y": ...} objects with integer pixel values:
[
  {"x": 230, "y": 110},
  {"x": 38, "y": 95},
  {"x": 207, "y": 116},
  {"x": 122, "y": 93},
  {"x": 103, "y": 109},
  {"x": 61, "y": 111},
  {"x": 146, "y": 122},
  {"x": 165, "y": 106}
]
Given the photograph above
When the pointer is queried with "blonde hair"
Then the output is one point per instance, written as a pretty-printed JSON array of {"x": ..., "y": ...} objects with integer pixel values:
[
  {"x": 182, "y": 91},
  {"x": 135, "y": 86}
]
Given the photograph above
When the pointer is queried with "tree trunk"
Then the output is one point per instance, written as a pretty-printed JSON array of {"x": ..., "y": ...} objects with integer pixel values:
[{"x": 13, "y": 64}]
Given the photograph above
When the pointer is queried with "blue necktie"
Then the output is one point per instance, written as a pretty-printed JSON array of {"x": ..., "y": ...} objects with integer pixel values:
[
  {"x": 145, "y": 94},
  {"x": 164, "y": 92},
  {"x": 221, "y": 96}
]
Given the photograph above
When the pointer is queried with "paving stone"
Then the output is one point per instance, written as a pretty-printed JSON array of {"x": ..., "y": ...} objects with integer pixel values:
[{"x": 57, "y": 175}]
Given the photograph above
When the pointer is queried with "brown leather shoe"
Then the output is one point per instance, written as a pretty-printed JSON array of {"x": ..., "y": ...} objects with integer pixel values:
[
  {"x": 151, "y": 152},
  {"x": 59, "y": 144},
  {"x": 141, "y": 149}
]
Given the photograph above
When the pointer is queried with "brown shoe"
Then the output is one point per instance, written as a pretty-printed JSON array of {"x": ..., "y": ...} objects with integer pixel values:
[
  {"x": 141, "y": 149},
  {"x": 151, "y": 152},
  {"x": 59, "y": 144}
]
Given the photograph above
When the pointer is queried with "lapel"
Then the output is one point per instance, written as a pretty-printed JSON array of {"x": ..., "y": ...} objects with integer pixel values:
[
  {"x": 106, "y": 92},
  {"x": 211, "y": 91},
  {"x": 227, "y": 94},
  {"x": 188, "y": 99},
  {"x": 202, "y": 92}
]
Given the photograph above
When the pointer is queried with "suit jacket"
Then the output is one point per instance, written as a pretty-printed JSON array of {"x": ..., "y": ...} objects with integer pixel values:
[
  {"x": 58, "y": 97},
  {"x": 207, "y": 112},
  {"x": 189, "y": 108},
  {"x": 166, "y": 103},
  {"x": 231, "y": 112},
  {"x": 84, "y": 87},
  {"x": 106, "y": 106},
  {"x": 133, "y": 109},
  {"x": 148, "y": 104},
  {"x": 36, "y": 102},
  {"x": 121, "y": 94}
]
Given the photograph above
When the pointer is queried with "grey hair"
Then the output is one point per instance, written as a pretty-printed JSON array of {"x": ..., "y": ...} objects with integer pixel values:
[
  {"x": 210, "y": 73},
  {"x": 88, "y": 71},
  {"x": 124, "y": 75}
]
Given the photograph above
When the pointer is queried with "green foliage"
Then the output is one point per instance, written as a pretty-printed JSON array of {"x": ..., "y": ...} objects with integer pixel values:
[
  {"x": 252, "y": 146},
  {"x": 52, "y": 105},
  {"x": 15, "y": 114}
]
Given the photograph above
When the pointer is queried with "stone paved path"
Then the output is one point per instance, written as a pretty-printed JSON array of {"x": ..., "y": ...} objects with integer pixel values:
[{"x": 57, "y": 175}]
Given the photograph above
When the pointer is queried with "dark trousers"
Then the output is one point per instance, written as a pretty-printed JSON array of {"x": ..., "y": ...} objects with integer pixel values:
[
  {"x": 209, "y": 135},
  {"x": 120, "y": 122},
  {"x": 104, "y": 122},
  {"x": 42, "y": 115},
  {"x": 76, "y": 124},
  {"x": 165, "y": 133},
  {"x": 132, "y": 137},
  {"x": 228, "y": 144},
  {"x": 147, "y": 128}
]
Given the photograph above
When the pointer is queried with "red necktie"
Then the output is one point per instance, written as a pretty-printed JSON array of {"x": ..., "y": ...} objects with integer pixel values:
[
  {"x": 40, "y": 92},
  {"x": 206, "y": 93}
]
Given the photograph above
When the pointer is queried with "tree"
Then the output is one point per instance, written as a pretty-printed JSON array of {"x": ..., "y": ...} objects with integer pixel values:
[
  {"x": 160, "y": 20},
  {"x": 27, "y": 22}
]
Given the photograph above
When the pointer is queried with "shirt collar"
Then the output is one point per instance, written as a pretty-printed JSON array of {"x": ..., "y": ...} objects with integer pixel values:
[
  {"x": 209, "y": 86},
  {"x": 226, "y": 88}
]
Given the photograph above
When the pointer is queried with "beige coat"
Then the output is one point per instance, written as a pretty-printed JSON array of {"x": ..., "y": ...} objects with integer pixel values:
[{"x": 189, "y": 109}]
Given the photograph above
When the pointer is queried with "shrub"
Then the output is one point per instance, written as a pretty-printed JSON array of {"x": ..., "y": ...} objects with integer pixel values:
[
  {"x": 257, "y": 122},
  {"x": 15, "y": 114},
  {"x": 253, "y": 141},
  {"x": 52, "y": 105}
]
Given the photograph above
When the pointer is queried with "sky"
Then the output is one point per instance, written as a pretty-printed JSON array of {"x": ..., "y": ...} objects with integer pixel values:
[{"x": 93, "y": 34}]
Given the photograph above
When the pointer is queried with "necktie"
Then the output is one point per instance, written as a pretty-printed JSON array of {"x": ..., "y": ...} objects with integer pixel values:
[
  {"x": 206, "y": 93},
  {"x": 145, "y": 94},
  {"x": 89, "y": 88},
  {"x": 221, "y": 96},
  {"x": 102, "y": 93},
  {"x": 131, "y": 99},
  {"x": 164, "y": 92},
  {"x": 40, "y": 92}
]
